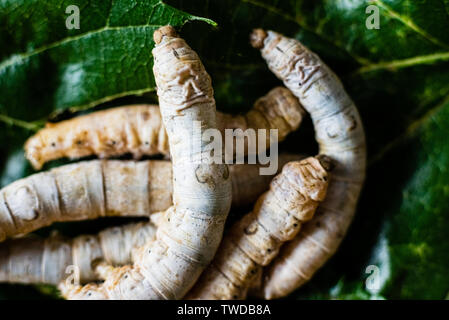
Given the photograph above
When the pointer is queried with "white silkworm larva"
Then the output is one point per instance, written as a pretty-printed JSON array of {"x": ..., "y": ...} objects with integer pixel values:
[
  {"x": 36, "y": 260},
  {"x": 256, "y": 239},
  {"x": 134, "y": 129},
  {"x": 167, "y": 267},
  {"x": 98, "y": 188},
  {"x": 85, "y": 190},
  {"x": 340, "y": 135},
  {"x": 138, "y": 129}
]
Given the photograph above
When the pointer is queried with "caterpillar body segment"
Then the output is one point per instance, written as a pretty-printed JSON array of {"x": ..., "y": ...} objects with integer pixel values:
[
  {"x": 167, "y": 267},
  {"x": 138, "y": 129},
  {"x": 340, "y": 135},
  {"x": 247, "y": 182},
  {"x": 52, "y": 260},
  {"x": 255, "y": 240},
  {"x": 279, "y": 110}
]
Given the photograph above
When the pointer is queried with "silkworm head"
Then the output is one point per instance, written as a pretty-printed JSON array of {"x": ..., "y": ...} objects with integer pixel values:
[
  {"x": 326, "y": 162},
  {"x": 165, "y": 31},
  {"x": 257, "y": 38}
]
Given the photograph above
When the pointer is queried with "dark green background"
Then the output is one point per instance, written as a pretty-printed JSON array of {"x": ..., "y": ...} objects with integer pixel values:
[{"x": 398, "y": 76}]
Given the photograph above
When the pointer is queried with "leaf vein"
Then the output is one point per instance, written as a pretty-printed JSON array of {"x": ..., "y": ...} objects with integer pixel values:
[
  {"x": 410, "y": 24},
  {"x": 404, "y": 63},
  {"x": 23, "y": 56}
]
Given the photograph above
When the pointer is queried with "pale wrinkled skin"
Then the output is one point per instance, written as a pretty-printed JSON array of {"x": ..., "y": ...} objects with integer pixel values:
[
  {"x": 85, "y": 190},
  {"x": 186, "y": 242},
  {"x": 340, "y": 135},
  {"x": 255, "y": 240},
  {"x": 35, "y": 260},
  {"x": 138, "y": 129},
  {"x": 131, "y": 129}
]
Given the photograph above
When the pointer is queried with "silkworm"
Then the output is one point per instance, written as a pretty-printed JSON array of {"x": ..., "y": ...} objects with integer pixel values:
[
  {"x": 85, "y": 190},
  {"x": 167, "y": 267},
  {"x": 134, "y": 129},
  {"x": 48, "y": 261},
  {"x": 340, "y": 135},
  {"x": 138, "y": 129},
  {"x": 255, "y": 240}
]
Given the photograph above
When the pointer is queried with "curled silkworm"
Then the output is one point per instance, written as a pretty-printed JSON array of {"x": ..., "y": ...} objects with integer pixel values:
[
  {"x": 256, "y": 239},
  {"x": 138, "y": 129},
  {"x": 167, "y": 267},
  {"x": 339, "y": 132}
]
